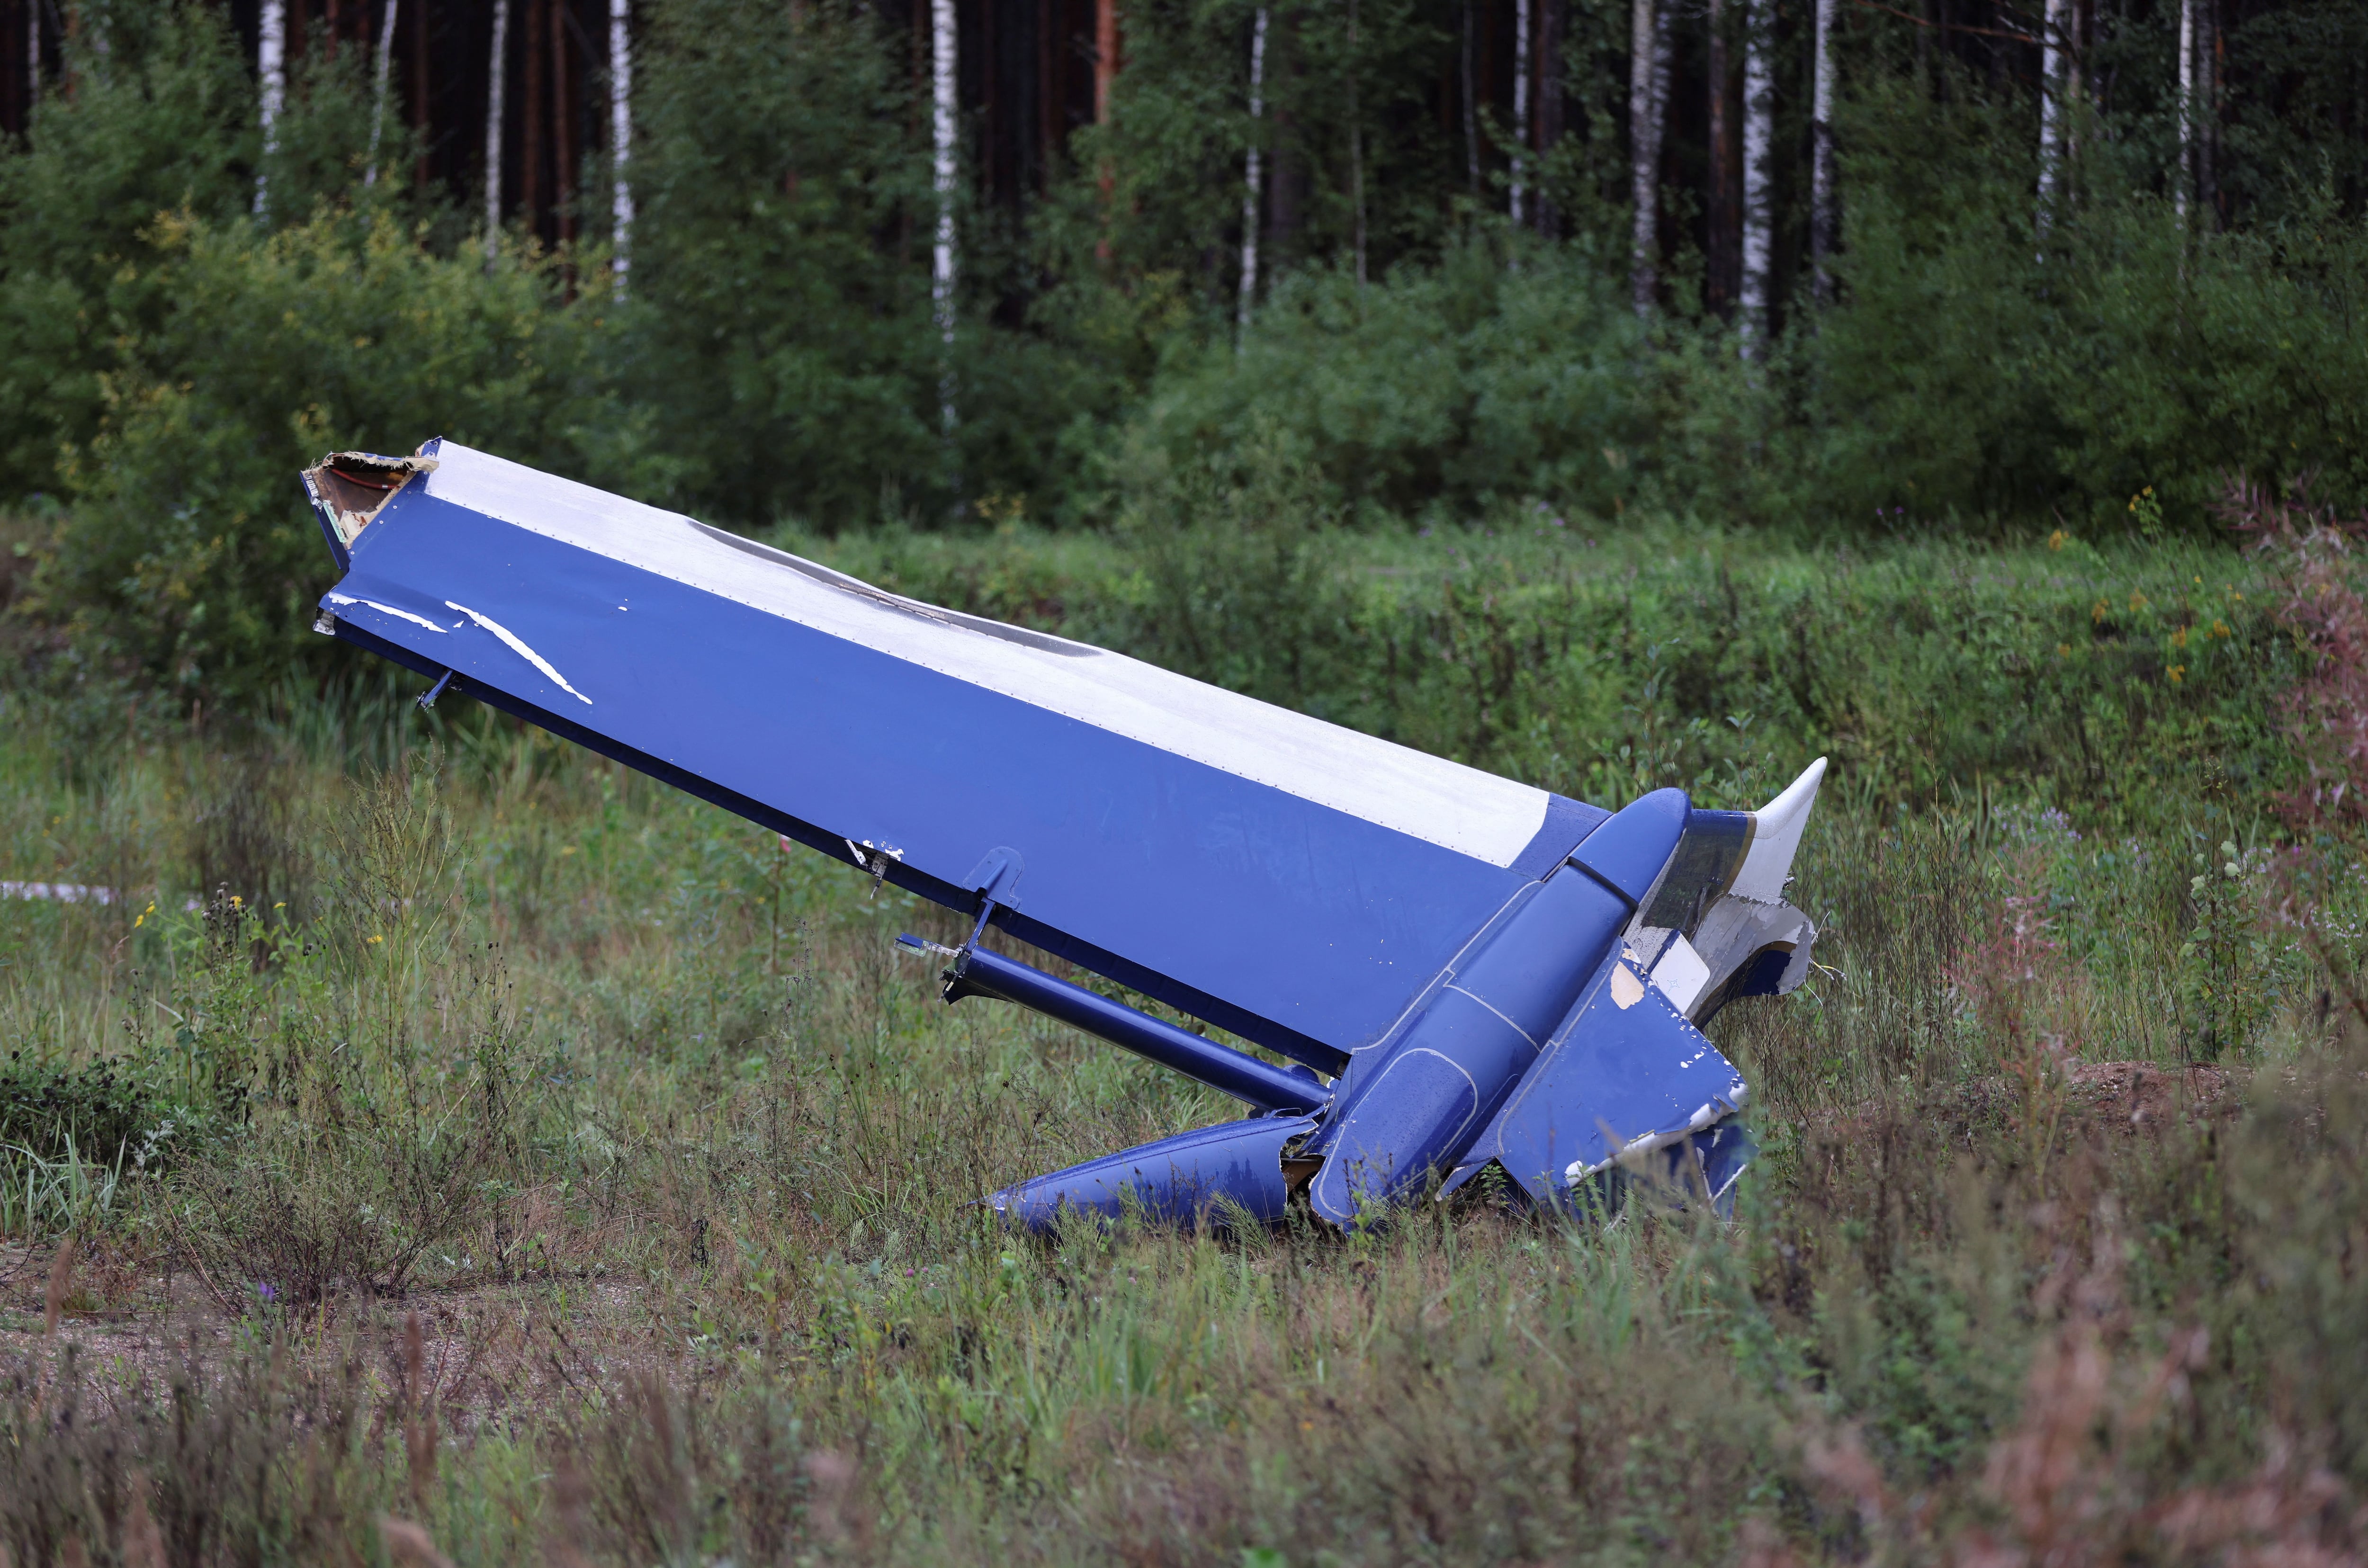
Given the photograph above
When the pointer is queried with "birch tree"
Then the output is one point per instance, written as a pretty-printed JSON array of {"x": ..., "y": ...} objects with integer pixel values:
[
  {"x": 944, "y": 83},
  {"x": 1520, "y": 101},
  {"x": 271, "y": 67},
  {"x": 1250, "y": 183},
  {"x": 2051, "y": 112},
  {"x": 378, "y": 95},
  {"x": 1759, "y": 134},
  {"x": 2186, "y": 181},
  {"x": 1649, "y": 97},
  {"x": 1824, "y": 229},
  {"x": 497, "y": 76},
  {"x": 620, "y": 137}
]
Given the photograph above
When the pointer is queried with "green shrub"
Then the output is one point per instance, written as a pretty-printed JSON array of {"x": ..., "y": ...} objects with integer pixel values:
[
  {"x": 1440, "y": 388},
  {"x": 188, "y": 550}
]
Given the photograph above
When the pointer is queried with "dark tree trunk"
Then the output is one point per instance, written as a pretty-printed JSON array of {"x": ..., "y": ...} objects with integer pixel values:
[
  {"x": 1552, "y": 105},
  {"x": 530, "y": 149},
  {"x": 1718, "y": 212}
]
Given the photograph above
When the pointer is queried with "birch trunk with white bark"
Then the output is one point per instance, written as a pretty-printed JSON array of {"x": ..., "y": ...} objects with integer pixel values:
[
  {"x": 1825, "y": 223},
  {"x": 271, "y": 68},
  {"x": 2186, "y": 180},
  {"x": 497, "y": 82},
  {"x": 1759, "y": 135},
  {"x": 1250, "y": 185},
  {"x": 378, "y": 95},
  {"x": 944, "y": 84},
  {"x": 1520, "y": 101},
  {"x": 2050, "y": 114},
  {"x": 1648, "y": 96},
  {"x": 621, "y": 139}
]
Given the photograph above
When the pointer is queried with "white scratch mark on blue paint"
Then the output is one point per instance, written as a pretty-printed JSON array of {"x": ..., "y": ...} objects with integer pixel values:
[
  {"x": 520, "y": 648},
  {"x": 386, "y": 610}
]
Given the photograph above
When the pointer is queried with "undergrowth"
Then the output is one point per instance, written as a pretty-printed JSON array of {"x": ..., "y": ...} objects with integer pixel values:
[{"x": 519, "y": 1160}]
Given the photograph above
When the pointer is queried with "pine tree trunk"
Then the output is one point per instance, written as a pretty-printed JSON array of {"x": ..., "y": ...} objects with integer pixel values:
[
  {"x": 562, "y": 127},
  {"x": 420, "y": 100},
  {"x": 944, "y": 83},
  {"x": 32, "y": 61},
  {"x": 1250, "y": 183},
  {"x": 378, "y": 94},
  {"x": 1759, "y": 136},
  {"x": 1471, "y": 110},
  {"x": 1521, "y": 103},
  {"x": 1825, "y": 223},
  {"x": 1648, "y": 94},
  {"x": 530, "y": 153},
  {"x": 271, "y": 67},
  {"x": 1356, "y": 151},
  {"x": 1105, "y": 77},
  {"x": 497, "y": 73},
  {"x": 620, "y": 138},
  {"x": 1549, "y": 116},
  {"x": 2207, "y": 110},
  {"x": 1719, "y": 211}
]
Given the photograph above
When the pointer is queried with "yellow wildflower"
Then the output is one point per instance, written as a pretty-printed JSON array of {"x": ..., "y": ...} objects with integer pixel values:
[
  {"x": 2064, "y": 650},
  {"x": 2219, "y": 629},
  {"x": 2179, "y": 638},
  {"x": 2101, "y": 611},
  {"x": 2176, "y": 671},
  {"x": 2056, "y": 540}
]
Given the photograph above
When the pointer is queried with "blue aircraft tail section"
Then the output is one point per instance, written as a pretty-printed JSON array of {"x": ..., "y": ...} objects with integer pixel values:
[
  {"x": 1624, "y": 1075},
  {"x": 1483, "y": 970}
]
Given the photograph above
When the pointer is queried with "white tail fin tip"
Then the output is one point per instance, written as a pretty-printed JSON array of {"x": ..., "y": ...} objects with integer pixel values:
[{"x": 1775, "y": 836}]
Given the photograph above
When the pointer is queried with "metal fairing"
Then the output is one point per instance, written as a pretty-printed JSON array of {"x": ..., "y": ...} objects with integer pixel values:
[
  {"x": 1487, "y": 971},
  {"x": 1424, "y": 1102},
  {"x": 1625, "y": 1073},
  {"x": 1182, "y": 1178}
]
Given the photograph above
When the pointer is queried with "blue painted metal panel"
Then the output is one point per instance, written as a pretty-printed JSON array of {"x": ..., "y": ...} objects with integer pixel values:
[
  {"x": 1367, "y": 915},
  {"x": 1180, "y": 1179},
  {"x": 1317, "y": 925},
  {"x": 1432, "y": 1091},
  {"x": 1624, "y": 1071}
]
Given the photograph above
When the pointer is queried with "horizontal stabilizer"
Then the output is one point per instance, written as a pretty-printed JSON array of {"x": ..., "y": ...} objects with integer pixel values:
[
  {"x": 1234, "y": 1164},
  {"x": 1625, "y": 1074}
]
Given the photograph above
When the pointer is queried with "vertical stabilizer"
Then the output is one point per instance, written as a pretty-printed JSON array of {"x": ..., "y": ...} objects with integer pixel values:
[{"x": 1775, "y": 836}]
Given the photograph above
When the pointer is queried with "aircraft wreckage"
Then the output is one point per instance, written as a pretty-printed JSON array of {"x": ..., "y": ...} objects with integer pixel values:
[{"x": 1462, "y": 971}]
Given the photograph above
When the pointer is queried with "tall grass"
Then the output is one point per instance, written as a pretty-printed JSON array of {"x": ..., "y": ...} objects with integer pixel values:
[{"x": 673, "y": 1161}]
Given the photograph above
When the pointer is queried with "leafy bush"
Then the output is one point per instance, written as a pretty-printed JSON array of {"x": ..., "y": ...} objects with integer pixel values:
[
  {"x": 160, "y": 120},
  {"x": 189, "y": 549},
  {"x": 1442, "y": 388}
]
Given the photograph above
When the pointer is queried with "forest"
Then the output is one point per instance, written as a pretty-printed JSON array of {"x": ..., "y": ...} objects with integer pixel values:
[{"x": 425, "y": 1143}]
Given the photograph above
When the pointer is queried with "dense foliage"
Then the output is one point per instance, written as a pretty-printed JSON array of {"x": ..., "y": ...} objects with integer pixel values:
[
  {"x": 543, "y": 1165},
  {"x": 172, "y": 345}
]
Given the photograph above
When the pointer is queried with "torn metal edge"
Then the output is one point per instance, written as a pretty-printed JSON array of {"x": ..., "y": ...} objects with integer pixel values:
[{"x": 349, "y": 489}]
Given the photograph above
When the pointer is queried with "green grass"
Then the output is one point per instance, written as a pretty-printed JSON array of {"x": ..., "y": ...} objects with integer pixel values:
[{"x": 674, "y": 1159}]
